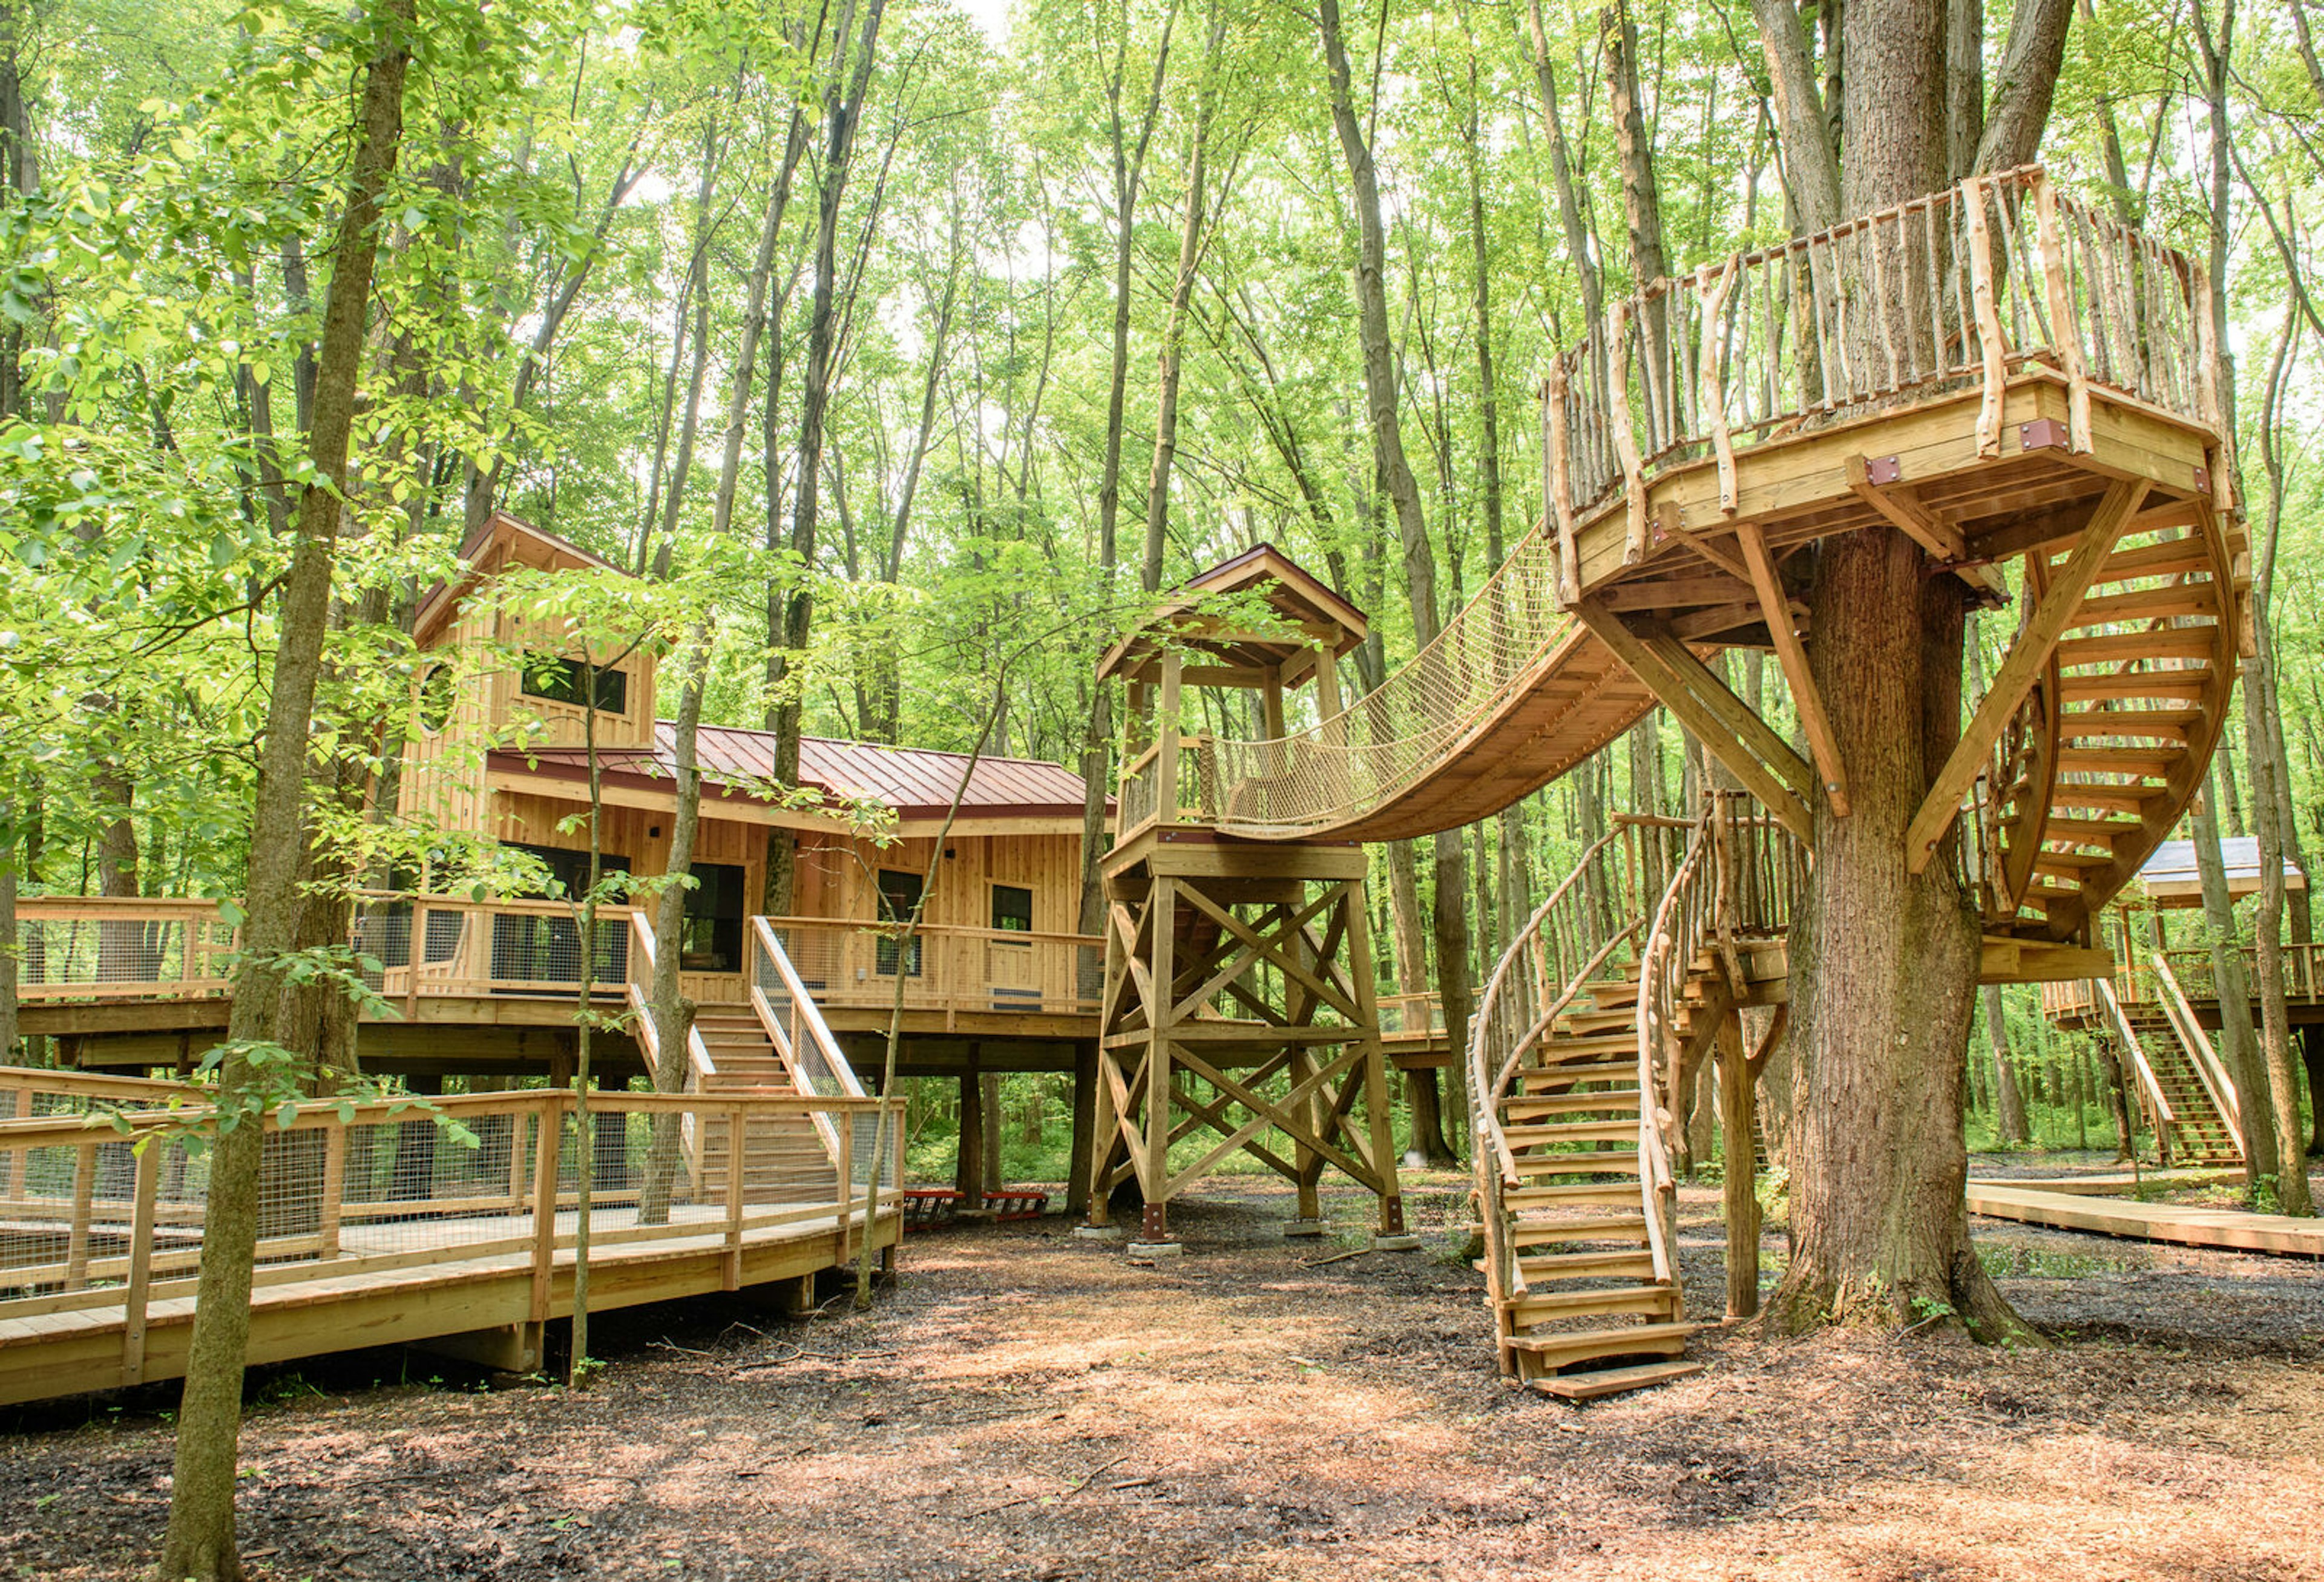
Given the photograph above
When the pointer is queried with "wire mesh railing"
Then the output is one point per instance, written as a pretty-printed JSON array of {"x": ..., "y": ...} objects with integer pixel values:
[{"x": 106, "y": 1201}]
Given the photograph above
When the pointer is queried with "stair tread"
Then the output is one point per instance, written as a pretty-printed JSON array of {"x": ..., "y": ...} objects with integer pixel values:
[
  {"x": 1664, "y": 1332},
  {"x": 1592, "y": 1383}
]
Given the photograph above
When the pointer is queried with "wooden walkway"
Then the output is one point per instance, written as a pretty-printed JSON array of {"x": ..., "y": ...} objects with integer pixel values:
[
  {"x": 2234, "y": 1229},
  {"x": 376, "y": 1229}
]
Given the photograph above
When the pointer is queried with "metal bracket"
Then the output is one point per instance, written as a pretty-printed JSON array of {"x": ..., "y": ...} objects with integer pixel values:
[
  {"x": 2042, "y": 434},
  {"x": 1880, "y": 470}
]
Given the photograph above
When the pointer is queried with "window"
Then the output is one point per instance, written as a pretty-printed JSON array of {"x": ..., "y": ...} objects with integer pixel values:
[
  {"x": 1012, "y": 909},
  {"x": 899, "y": 899},
  {"x": 562, "y": 681},
  {"x": 713, "y": 938}
]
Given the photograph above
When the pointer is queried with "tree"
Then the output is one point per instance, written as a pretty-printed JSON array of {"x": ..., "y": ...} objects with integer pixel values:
[
  {"x": 200, "y": 1541},
  {"x": 1885, "y": 962}
]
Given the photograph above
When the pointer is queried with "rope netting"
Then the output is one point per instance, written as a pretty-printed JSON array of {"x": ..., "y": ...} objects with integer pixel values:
[{"x": 1405, "y": 730}]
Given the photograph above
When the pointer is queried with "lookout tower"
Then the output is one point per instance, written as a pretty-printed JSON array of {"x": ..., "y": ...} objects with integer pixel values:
[{"x": 1238, "y": 995}]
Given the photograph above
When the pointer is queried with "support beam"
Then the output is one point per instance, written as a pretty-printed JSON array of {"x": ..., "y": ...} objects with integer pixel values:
[
  {"x": 1718, "y": 730},
  {"x": 1737, "y": 1107},
  {"x": 2018, "y": 673},
  {"x": 1916, "y": 521},
  {"x": 1793, "y": 657}
]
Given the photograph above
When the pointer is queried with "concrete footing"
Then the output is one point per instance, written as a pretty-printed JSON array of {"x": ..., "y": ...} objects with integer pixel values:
[
  {"x": 1157, "y": 1249},
  {"x": 1305, "y": 1227},
  {"x": 1097, "y": 1233}
]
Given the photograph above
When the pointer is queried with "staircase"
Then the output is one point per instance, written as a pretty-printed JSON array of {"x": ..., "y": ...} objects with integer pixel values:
[
  {"x": 1574, "y": 1057},
  {"x": 2194, "y": 1131},
  {"x": 742, "y": 1050},
  {"x": 2111, "y": 741},
  {"x": 1587, "y": 1295}
]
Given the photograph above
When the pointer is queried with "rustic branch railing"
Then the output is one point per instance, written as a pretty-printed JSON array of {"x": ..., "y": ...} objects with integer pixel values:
[
  {"x": 1574, "y": 935},
  {"x": 1955, "y": 290},
  {"x": 1954, "y": 293}
]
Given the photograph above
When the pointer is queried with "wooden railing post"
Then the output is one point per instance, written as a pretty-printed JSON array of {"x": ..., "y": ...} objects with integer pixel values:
[
  {"x": 140, "y": 1261},
  {"x": 737, "y": 1134},
  {"x": 84, "y": 1204},
  {"x": 335, "y": 1184},
  {"x": 547, "y": 1132}
]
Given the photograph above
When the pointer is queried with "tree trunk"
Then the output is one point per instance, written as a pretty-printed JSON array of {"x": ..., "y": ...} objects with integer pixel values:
[
  {"x": 1883, "y": 961},
  {"x": 968, "y": 1168},
  {"x": 2239, "y": 1040},
  {"x": 2008, "y": 1105},
  {"x": 843, "y": 109},
  {"x": 1181, "y": 290},
  {"x": 201, "y": 1540}
]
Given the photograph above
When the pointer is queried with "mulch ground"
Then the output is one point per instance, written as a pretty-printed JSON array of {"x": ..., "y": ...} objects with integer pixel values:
[{"x": 1022, "y": 1404}]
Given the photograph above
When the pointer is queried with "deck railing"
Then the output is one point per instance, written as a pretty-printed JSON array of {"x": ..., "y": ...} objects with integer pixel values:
[
  {"x": 2135, "y": 984},
  {"x": 105, "y": 1223},
  {"x": 1956, "y": 290},
  {"x": 86, "y": 948}
]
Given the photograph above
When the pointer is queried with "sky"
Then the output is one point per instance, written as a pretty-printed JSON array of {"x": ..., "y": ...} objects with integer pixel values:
[{"x": 993, "y": 16}]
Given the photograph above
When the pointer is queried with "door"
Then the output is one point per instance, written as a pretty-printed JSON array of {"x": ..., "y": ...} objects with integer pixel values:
[
  {"x": 900, "y": 902},
  {"x": 1011, "y": 965}
]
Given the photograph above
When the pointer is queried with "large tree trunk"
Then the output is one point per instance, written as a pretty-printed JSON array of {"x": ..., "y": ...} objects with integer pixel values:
[
  {"x": 201, "y": 1540},
  {"x": 1883, "y": 961},
  {"x": 1129, "y": 150},
  {"x": 1450, "y": 900},
  {"x": 2239, "y": 1040}
]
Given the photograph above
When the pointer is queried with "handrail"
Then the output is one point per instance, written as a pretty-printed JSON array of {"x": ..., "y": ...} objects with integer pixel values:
[
  {"x": 1657, "y": 1002},
  {"x": 2163, "y": 1114},
  {"x": 2202, "y": 1056},
  {"x": 638, "y": 991},
  {"x": 803, "y": 1041}
]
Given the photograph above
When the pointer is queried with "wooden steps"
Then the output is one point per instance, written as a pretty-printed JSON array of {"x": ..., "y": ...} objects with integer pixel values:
[
  {"x": 1612, "y": 1381},
  {"x": 1574, "y": 1227}
]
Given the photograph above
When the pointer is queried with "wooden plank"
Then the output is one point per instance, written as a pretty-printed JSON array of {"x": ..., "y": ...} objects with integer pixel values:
[
  {"x": 2018, "y": 673},
  {"x": 1793, "y": 657}
]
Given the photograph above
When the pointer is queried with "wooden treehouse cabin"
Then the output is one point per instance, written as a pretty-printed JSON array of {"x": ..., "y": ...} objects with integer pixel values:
[
  {"x": 2159, "y": 1004},
  {"x": 996, "y": 978}
]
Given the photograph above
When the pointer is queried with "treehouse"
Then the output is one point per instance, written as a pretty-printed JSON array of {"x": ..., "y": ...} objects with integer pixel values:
[{"x": 995, "y": 977}]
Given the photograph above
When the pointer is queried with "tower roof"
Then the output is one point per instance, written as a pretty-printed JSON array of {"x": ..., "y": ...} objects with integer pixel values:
[{"x": 1304, "y": 615}]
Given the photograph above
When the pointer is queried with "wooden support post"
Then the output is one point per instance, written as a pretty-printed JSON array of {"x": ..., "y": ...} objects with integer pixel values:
[
  {"x": 1154, "y": 1161},
  {"x": 1375, "y": 1065},
  {"x": 1992, "y": 344},
  {"x": 548, "y": 1139},
  {"x": 2065, "y": 323},
  {"x": 1625, "y": 436},
  {"x": 1736, "y": 1103},
  {"x": 2028, "y": 657},
  {"x": 141, "y": 1260},
  {"x": 1793, "y": 657},
  {"x": 1166, "y": 736},
  {"x": 737, "y": 1139},
  {"x": 334, "y": 1190},
  {"x": 1087, "y": 1087},
  {"x": 84, "y": 1204}
]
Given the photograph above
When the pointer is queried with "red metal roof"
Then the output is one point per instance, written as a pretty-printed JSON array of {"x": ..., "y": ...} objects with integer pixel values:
[{"x": 917, "y": 782}]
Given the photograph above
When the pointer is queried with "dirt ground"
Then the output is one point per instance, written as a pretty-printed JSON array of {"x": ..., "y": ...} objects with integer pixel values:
[{"x": 1022, "y": 1404}]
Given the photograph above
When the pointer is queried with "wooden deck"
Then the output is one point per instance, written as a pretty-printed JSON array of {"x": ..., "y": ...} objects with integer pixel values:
[
  {"x": 2234, "y": 1230},
  {"x": 380, "y": 1228}
]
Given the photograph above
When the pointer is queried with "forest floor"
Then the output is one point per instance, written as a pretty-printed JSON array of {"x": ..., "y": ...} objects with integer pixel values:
[{"x": 1022, "y": 1404}]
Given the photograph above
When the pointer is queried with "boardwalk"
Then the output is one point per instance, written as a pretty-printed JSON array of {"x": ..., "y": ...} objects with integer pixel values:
[
  {"x": 382, "y": 1225},
  {"x": 2236, "y": 1230}
]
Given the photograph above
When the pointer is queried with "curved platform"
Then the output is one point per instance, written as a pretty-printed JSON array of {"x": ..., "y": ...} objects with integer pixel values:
[{"x": 2026, "y": 389}]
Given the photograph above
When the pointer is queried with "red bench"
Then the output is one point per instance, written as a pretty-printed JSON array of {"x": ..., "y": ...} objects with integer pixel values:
[{"x": 1017, "y": 1205}]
